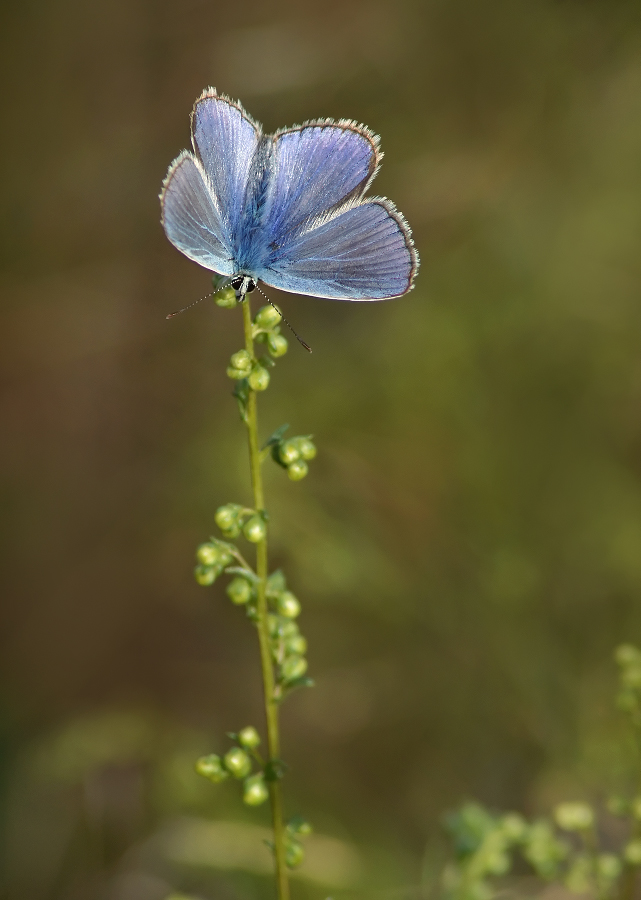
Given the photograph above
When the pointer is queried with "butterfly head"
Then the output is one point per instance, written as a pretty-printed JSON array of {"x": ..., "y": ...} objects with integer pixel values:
[{"x": 243, "y": 284}]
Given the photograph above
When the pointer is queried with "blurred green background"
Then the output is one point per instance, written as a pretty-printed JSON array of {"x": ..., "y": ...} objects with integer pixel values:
[{"x": 468, "y": 543}]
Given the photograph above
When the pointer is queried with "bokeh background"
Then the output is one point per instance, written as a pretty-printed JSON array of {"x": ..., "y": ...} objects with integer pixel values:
[{"x": 468, "y": 543}]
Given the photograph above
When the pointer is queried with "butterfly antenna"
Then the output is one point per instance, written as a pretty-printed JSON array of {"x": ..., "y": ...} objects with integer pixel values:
[
  {"x": 291, "y": 328},
  {"x": 210, "y": 294}
]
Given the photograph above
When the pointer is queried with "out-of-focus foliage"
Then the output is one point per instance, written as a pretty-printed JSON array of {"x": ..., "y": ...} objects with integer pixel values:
[
  {"x": 466, "y": 543},
  {"x": 486, "y": 845}
]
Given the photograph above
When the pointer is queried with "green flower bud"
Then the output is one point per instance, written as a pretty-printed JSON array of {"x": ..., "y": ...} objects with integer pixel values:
[
  {"x": 294, "y": 854},
  {"x": 277, "y": 344},
  {"x": 226, "y": 516},
  {"x": 273, "y": 623},
  {"x": 296, "y": 645},
  {"x": 255, "y": 790},
  {"x": 249, "y": 738},
  {"x": 298, "y": 825},
  {"x": 293, "y": 667},
  {"x": 267, "y": 317},
  {"x": 574, "y": 816},
  {"x": 226, "y": 298},
  {"x": 288, "y": 605},
  {"x": 241, "y": 360},
  {"x": 236, "y": 374},
  {"x": 206, "y": 575},
  {"x": 211, "y": 767},
  {"x": 288, "y": 628},
  {"x": 239, "y": 590},
  {"x": 255, "y": 529},
  {"x": 306, "y": 447},
  {"x": 297, "y": 470},
  {"x": 207, "y": 554},
  {"x": 288, "y": 452},
  {"x": 259, "y": 379},
  {"x": 632, "y": 853},
  {"x": 231, "y": 533},
  {"x": 238, "y": 763}
]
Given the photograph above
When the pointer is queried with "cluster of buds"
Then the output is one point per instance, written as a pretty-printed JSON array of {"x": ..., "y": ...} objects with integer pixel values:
[
  {"x": 238, "y": 763},
  {"x": 287, "y": 643},
  {"x": 213, "y": 558},
  {"x": 243, "y": 365},
  {"x": 233, "y": 519},
  {"x": 293, "y": 454},
  {"x": 297, "y": 827}
]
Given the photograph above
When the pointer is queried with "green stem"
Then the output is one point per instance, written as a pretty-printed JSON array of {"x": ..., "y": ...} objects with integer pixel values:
[{"x": 271, "y": 706}]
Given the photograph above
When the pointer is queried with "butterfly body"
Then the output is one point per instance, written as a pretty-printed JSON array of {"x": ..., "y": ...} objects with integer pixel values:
[{"x": 287, "y": 209}]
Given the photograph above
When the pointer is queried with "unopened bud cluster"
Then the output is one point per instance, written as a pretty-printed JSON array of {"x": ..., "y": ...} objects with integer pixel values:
[
  {"x": 238, "y": 763},
  {"x": 294, "y": 454},
  {"x": 294, "y": 852},
  {"x": 233, "y": 519},
  {"x": 287, "y": 643},
  {"x": 243, "y": 365}
]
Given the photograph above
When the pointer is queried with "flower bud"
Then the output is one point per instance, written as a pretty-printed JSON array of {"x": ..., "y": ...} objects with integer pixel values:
[
  {"x": 297, "y": 470},
  {"x": 288, "y": 605},
  {"x": 298, "y": 825},
  {"x": 239, "y": 590},
  {"x": 288, "y": 452},
  {"x": 259, "y": 379},
  {"x": 306, "y": 447},
  {"x": 255, "y": 790},
  {"x": 211, "y": 767},
  {"x": 255, "y": 529},
  {"x": 207, "y": 554},
  {"x": 294, "y": 854},
  {"x": 267, "y": 317},
  {"x": 273, "y": 624},
  {"x": 206, "y": 575},
  {"x": 574, "y": 816},
  {"x": 238, "y": 763},
  {"x": 226, "y": 298},
  {"x": 226, "y": 516},
  {"x": 275, "y": 584},
  {"x": 293, "y": 667},
  {"x": 277, "y": 344},
  {"x": 296, "y": 645},
  {"x": 288, "y": 628},
  {"x": 236, "y": 374},
  {"x": 241, "y": 360},
  {"x": 249, "y": 738}
]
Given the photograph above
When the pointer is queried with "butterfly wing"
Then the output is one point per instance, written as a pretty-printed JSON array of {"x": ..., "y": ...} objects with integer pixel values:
[
  {"x": 364, "y": 252},
  {"x": 315, "y": 168},
  {"x": 203, "y": 194},
  {"x": 191, "y": 217}
]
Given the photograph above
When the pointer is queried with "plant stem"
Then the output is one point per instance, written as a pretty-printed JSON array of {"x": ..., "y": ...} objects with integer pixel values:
[{"x": 271, "y": 706}]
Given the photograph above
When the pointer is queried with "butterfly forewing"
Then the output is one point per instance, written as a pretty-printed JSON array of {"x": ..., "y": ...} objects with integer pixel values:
[
  {"x": 225, "y": 139},
  {"x": 316, "y": 168}
]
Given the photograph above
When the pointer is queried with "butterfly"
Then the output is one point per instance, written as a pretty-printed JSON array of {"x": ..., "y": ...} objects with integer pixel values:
[{"x": 286, "y": 209}]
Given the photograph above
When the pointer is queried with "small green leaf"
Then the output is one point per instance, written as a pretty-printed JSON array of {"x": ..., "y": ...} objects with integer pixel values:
[
  {"x": 241, "y": 393},
  {"x": 304, "y": 681},
  {"x": 246, "y": 573},
  {"x": 275, "y": 769},
  {"x": 275, "y": 437}
]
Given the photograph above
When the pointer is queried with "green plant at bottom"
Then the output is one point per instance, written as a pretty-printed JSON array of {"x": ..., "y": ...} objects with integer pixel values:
[{"x": 565, "y": 848}]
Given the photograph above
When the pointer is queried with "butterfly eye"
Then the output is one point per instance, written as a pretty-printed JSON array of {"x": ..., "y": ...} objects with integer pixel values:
[
  {"x": 237, "y": 282},
  {"x": 251, "y": 286}
]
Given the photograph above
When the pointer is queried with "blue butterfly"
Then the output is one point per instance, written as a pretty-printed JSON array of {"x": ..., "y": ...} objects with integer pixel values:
[{"x": 286, "y": 209}]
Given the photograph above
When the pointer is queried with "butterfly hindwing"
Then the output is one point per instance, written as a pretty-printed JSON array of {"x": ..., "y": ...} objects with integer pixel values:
[{"x": 364, "y": 252}]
